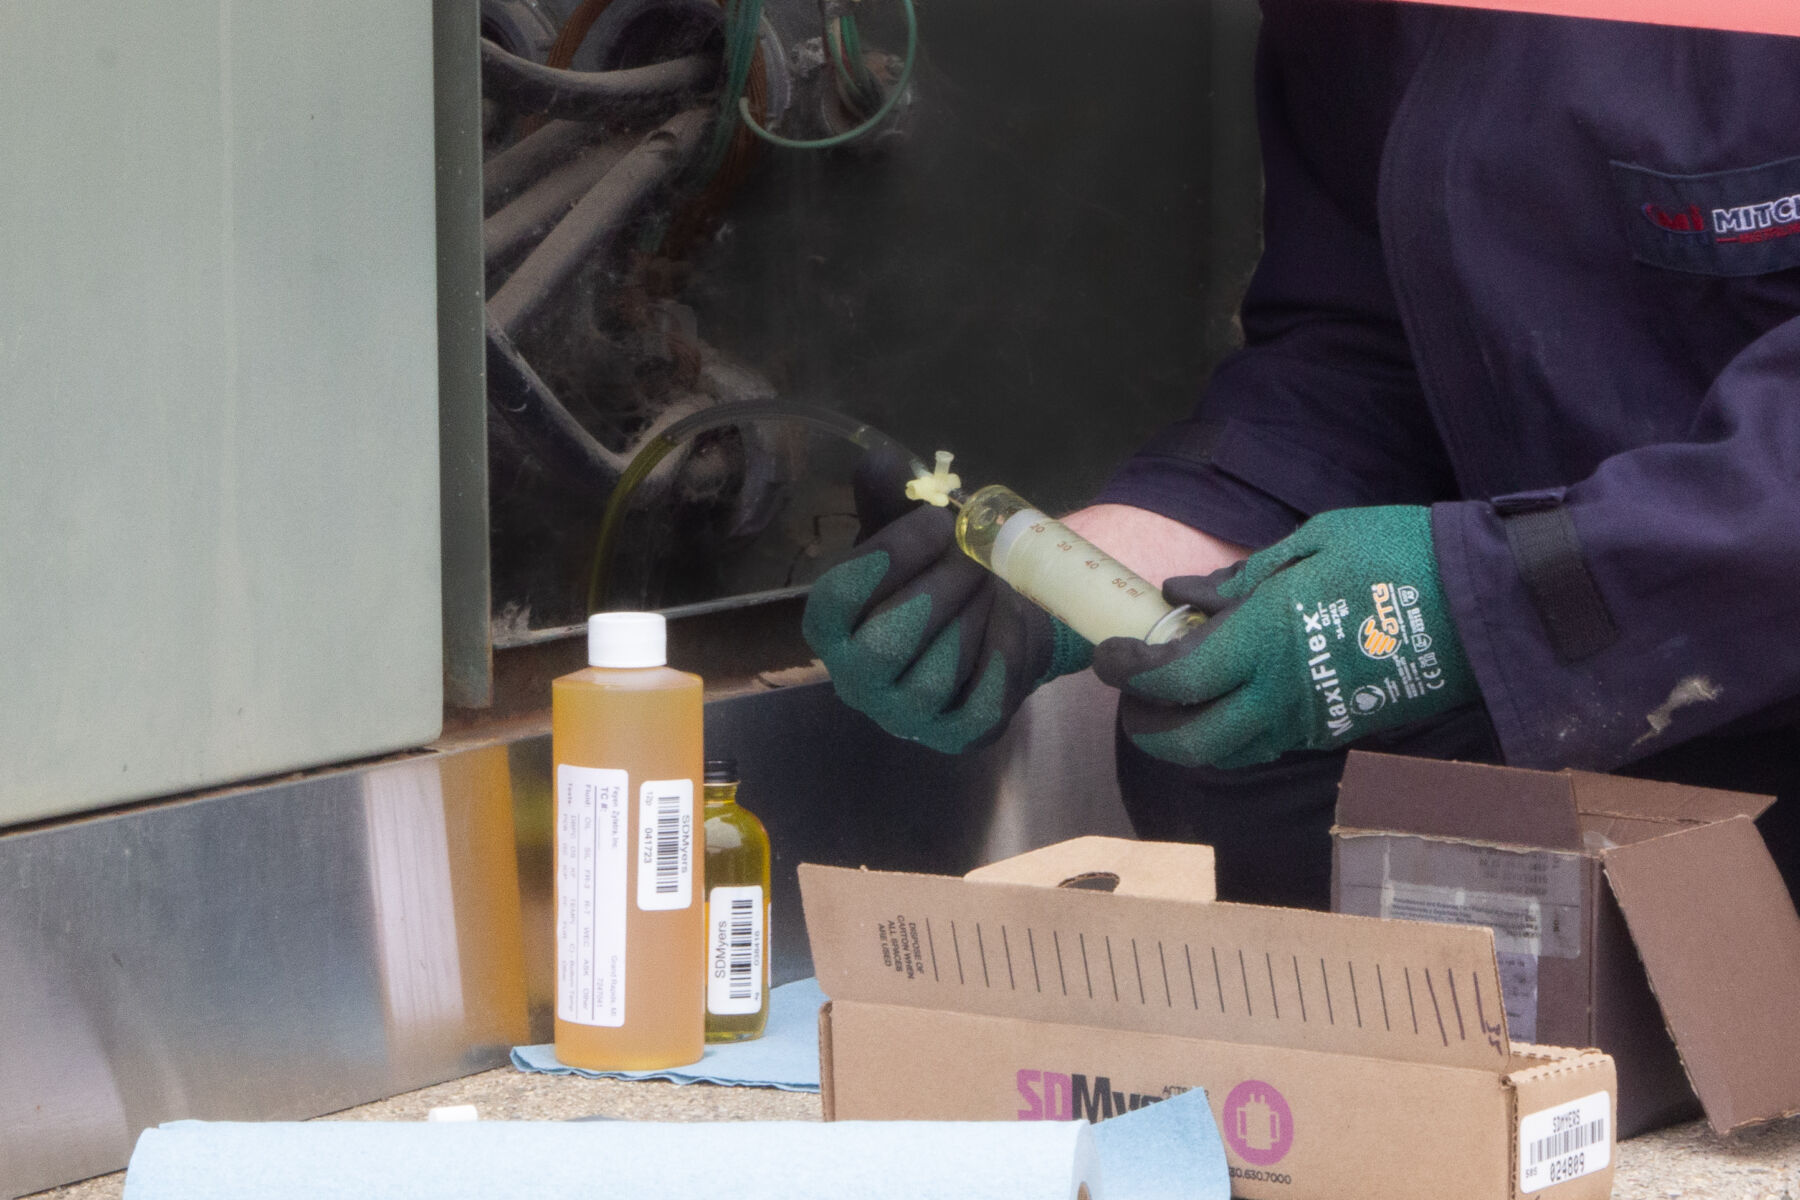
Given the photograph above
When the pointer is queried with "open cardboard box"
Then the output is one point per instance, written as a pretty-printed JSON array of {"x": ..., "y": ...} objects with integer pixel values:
[
  {"x": 1689, "y": 892},
  {"x": 1344, "y": 1057}
]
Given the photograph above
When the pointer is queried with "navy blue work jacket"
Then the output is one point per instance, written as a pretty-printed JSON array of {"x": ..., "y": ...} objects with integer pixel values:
[{"x": 1544, "y": 275}]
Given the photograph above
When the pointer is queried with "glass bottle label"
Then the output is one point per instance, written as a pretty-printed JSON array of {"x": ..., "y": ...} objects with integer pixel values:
[
  {"x": 734, "y": 951},
  {"x": 593, "y": 849}
]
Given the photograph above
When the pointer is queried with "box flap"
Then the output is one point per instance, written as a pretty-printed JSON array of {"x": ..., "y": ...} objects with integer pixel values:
[
  {"x": 1169, "y": 870},
  {"x": 1619, "y": 795},
  {"x": 1468, "y": 801},
  {"x": 1398, "y": 990},
  {"x": 1720, "y": 940}
]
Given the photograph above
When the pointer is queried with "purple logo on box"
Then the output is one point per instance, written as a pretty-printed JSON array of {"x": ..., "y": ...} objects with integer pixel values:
[{"x": 1258, "y": 1126}]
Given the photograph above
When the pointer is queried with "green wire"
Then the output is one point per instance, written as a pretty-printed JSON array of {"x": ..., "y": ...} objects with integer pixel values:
[
  {"x": 864, "y": 87},
  {"x": 743, "y": 19},
  {"x": 881, "y": 114},
  {"x": 834, "y": 39}
]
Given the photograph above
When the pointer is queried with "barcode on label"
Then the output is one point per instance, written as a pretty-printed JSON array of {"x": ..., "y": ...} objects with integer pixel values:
[
  {"x": 665, "y": 844},
  {"x": 743, "y": 949},
  {"x": 668, "y": 844},
  {"x": 1566, "y": 1142},
  {"x": 737, "y": 950}
]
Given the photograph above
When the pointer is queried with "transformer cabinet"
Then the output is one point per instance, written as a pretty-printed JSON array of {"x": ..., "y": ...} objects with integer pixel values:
[{"x": 327, "y": 334}]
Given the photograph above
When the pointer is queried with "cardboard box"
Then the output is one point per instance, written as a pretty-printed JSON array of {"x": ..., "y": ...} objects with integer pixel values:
[
  {"x": 1586, "y": 881},
  {"x": 1345, "y": 1058}
]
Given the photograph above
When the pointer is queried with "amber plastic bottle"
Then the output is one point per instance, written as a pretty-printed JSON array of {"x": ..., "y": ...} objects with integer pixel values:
[
  {"x": 630, "y": 918},
  {"x": 737, "y": 911}
]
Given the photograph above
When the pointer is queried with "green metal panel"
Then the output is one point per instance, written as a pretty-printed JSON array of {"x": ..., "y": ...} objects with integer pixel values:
[
  {"x": 219, "y": 517},
  {"x": 462, "y": 374}
]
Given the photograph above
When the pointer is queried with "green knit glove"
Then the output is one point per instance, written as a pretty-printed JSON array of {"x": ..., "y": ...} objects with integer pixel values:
[
  {"x": 919, "y": 636},
  {"x": 1336, "y": 632}
]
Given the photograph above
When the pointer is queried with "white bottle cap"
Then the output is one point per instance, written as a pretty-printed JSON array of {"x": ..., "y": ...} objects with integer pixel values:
[{"x": 628, "y": 639}]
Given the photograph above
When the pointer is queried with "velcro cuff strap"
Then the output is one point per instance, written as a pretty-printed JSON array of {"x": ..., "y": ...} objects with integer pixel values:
[{"x": 1547, "y": 552}]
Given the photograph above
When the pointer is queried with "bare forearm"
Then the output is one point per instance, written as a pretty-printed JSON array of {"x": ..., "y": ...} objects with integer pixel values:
[{"x": 1156, "y": 547}]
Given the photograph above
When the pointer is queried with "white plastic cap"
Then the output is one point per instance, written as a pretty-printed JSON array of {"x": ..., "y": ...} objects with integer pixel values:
[
  {"x": 628, "y": 639},
  {"x": 453, "y": 1112}
]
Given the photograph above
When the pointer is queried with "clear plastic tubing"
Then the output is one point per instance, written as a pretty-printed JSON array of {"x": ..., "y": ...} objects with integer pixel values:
[{"x": 1064, "y": 573}]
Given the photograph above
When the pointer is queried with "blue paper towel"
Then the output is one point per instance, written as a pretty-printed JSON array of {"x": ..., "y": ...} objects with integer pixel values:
[
  {"x": 785, "y": 1057},
  {"x": 1166, "y": 1151},
  {"x": 1170, "y": 1148},
  {"x": 500, "y": 1160}
]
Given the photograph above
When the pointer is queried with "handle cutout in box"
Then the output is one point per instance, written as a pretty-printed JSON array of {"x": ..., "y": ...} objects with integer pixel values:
[{"x": 1153, "y": 870}]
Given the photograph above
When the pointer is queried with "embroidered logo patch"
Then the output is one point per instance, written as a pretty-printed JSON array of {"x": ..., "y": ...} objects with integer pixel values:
[{"x": 1729, "y": 223}]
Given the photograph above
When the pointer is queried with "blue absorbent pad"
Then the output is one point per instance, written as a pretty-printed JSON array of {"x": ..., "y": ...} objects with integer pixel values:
[
  {"x": 1167, "y": 1149},
  {"x": 1164, "y": 1151},
  {"x": 786, "y": 1056}
]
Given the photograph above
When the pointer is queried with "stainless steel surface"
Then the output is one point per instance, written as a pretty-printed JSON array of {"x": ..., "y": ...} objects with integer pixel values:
[
  {"x": 281, "y": 952},
  {"x": 219, "y": 524},
  {"x": 293, "y": 949},
  {"x": 462, "y": 376}
]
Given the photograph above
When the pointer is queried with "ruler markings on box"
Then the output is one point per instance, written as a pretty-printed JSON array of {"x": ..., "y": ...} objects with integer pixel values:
[
  {"x": 1249, "y": 999},
  {"x": 1367, "y": 952},
  {"x": 1490, "y": 1031},
  {"x": 1437, "y": 1010},
  {"x": 1299, "y": 1000},
  {"x": 1462, "y": 1032}
]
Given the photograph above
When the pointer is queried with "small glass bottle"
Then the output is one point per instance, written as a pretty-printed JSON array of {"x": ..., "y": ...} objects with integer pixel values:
[{"x": 737, "y": 911}]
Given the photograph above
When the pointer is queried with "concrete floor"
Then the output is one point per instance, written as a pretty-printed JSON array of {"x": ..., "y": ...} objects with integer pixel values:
[{"x": 1683, "y": 1163}]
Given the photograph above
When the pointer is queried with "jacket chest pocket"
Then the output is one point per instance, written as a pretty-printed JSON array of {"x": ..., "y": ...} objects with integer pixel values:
[{"x": 1724, "y": 223}]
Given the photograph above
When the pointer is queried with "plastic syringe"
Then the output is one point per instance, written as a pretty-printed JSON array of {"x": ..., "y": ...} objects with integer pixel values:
[{"x": 1053, "y": 566}]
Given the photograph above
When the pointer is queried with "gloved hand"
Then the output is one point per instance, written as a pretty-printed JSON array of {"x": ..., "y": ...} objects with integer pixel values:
[
  {"x": 1337, "y": 631},
  {"x": 918, "y": 635}
]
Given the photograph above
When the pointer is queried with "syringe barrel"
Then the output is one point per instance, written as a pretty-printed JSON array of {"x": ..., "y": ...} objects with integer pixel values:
[{"x": 1062, "y": 572}]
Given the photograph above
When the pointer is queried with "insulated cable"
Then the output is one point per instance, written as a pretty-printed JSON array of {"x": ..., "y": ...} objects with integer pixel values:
[
  {"x": 529, "y": 87},
  {"x": 880, "y": 114}
]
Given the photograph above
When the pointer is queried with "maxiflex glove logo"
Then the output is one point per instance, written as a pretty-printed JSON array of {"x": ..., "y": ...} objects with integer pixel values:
[{"x": 1379, "y": 636}]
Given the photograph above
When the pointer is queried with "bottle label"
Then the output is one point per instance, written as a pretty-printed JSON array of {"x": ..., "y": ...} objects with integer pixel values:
[
  {"x": 593, "y": 857},
  {"x": 665, "y": 844},
  {"x": 735, "y": 951}
]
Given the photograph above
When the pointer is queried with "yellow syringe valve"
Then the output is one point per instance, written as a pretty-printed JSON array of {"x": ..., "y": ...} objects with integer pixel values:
[{"x": 934, "y": 487}]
